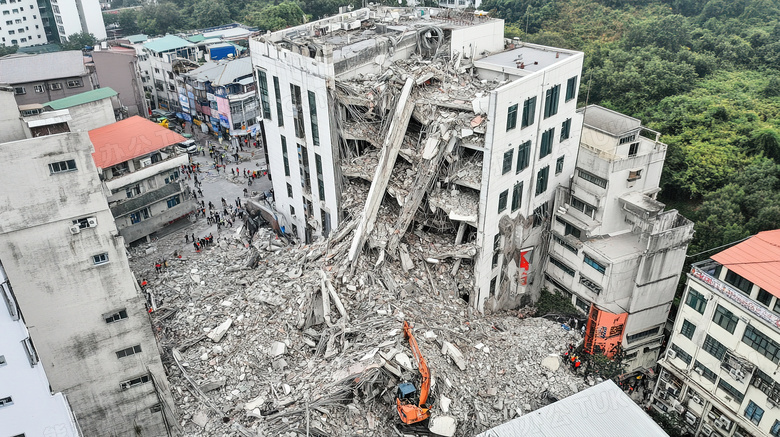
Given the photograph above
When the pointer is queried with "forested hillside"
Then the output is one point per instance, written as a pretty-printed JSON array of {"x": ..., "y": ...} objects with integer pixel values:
[{"x": 706, "y": 74}]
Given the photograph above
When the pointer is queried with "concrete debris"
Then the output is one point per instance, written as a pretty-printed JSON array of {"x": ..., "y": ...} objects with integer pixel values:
[{"x": 305, "y": 343}]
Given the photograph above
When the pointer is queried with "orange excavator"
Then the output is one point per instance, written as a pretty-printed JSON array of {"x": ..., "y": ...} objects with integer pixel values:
[{"x": 413, "y": 408}]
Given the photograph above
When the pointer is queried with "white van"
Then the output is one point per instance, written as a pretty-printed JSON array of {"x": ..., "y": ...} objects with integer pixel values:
[{"x": 188, "y": 146}]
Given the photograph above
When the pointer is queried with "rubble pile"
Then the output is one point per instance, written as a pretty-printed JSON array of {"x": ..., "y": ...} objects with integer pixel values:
[{"x": 260, "y": 338}]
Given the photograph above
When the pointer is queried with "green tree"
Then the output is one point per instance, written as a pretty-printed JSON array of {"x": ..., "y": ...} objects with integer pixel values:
[
  {"x": 128, "y": 22},
  {"x": 160, "y": 19},
  {"x": 669, "y": 32},
  {"x": 109, "y": 19},
  {"x": 274, "y": 18},
  {"x": 209, "y": 13},
  {"x": 553, "y": 303},
  {"x": 78, "y": 41}
]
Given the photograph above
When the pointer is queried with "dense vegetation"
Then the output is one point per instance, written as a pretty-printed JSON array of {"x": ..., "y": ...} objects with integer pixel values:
[{"x": 704, "y": 73}]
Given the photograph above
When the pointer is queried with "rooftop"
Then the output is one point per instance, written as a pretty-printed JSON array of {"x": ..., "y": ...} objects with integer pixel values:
[
  {"x": 135, "y": 39},
  {"x": 128, "y": 139},
  {"x": 609, "y": 121},
  {"x": 602, "y": 410},
  {"x": 167, "y": 43},
  {"x": 524, "y": 60},
  {"x": 80, "y": 99},
  {"x": 223, "y": 72},
  {"x": 757, "y": 259},
  {"x": 24, "y": 68}
]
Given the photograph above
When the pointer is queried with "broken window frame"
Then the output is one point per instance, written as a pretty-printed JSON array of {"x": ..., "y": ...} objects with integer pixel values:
[
  {"x": 265, "y": 103},
  {"x": 278, "y": 96},
  {"x": 545, "y": 145},
  {"x": 541, "y": 180},
  {"x": 523, "y": 156},
  {"x": 502, "y": 200},
  {"x": 571, "y": 88},
  {"x": 315, "y": 131},
  {"x": 517, "y": 196},
  {"x": 511, "y": 117},
  {"x": 566, "y": 129},
  {"x": 143, "y": 379},
  {"x": 559, "y": 165},
  {"x": 507, "y": 163},
  {"x": 551, "y": 97},
  {"x": 529, "y": 112},
  {"x": 289, "y": 190}
]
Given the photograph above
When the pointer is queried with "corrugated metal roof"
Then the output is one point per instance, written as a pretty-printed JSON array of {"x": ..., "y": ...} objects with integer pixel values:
[
  {"x": 196, "y": 38},
  {"x": 756, "y": 259},
  {"x": 22, "y": 68},
  {"x": 128, "y": 139},
  {"x": 166, "y": 43},
  {"x": 222, "y": 72},
  {"x": 602, "y": 410},
  {"x": 80, "y": 99},
  {"x": 135, "y": 39}
]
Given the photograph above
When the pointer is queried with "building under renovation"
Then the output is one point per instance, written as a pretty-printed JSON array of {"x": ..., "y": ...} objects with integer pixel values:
[{"x": 428, "y": 119}]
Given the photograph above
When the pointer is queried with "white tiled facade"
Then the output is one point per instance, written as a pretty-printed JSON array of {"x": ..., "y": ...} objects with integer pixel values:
[{"x": 20, "y": 23}]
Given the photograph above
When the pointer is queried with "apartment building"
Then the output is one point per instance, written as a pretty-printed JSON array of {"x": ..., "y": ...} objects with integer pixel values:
[
  {"x": 27, "y": 405},
  {"x": 89, "y": 110},
  {"x": 86, "y": 312},
  {"x": 21, "y": 24},
  {"x": 35, "y": 81},
  {"x": 160, "y": 60},
  {"x": 341, "y": 98},
  {"x": 614, "y": 251},
  {"x": 461, "y": 4},
  {"x": 116, "y": 67},
  {"x": 224, "y": 96},
  {"x": 719, "y": 372},
  {"x": 63, "y": 18},
  {"x": 140, "y": 165}
]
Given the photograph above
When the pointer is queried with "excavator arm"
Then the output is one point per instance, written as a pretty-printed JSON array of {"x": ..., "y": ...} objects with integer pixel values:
[{"x": 411, "y": 412}]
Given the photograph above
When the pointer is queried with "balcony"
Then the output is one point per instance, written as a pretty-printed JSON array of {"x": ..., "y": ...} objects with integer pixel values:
[{"x": 703, "y": 272}]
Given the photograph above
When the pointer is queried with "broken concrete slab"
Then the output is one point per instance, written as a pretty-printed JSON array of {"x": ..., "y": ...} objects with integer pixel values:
[
  {"x": 277, "y": 349},
  {"x": 219, "y": 332},
  {"x": 454, "y": 353}
]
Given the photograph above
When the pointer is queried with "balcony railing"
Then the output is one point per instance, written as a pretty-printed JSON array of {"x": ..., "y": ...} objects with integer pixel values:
[{"x": 737, "y": 297}]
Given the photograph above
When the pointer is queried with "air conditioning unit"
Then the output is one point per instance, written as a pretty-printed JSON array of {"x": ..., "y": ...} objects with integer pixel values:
[
  {"x": 92, "y": 222},
  {"x": 697, "y": 400},
  {"x": 699, "y": 370},
  {"x": 771, "y": 403},
  {"x": 671, "y": 354},
  {"x": 690, "y": 419},
  {"x": 678, "y": 407},
  {"x": 75, "y": 229},
  {"x": 662, "y": 395},
  {"x": 706, "y": 430},
  {"x": 737, "y": 374},
  {"x": 724, "y": 423}
]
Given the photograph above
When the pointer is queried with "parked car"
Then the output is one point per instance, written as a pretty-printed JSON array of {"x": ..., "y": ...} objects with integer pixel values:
[{"x": 188, "y": 146}]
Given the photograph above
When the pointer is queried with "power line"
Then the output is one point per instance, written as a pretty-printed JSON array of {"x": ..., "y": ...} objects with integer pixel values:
[{"x": 719, "y": 247}]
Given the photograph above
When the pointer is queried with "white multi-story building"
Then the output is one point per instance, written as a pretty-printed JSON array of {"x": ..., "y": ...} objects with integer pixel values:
[
  {"x": 27, "y": 405},
  {"x": 614, "y": 251},
  {"x": 504, "y": 137},
  {"x": 157, "y": 59},
  {"x": 67, "y": 17},
  {"x": 61, "y": 250},
  {"x": 720, "y": 371},
  {"x": 21, "y": 24}
]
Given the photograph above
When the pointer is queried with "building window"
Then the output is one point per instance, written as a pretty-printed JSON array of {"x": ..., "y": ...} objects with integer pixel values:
[
  {"x": 541, "y": 213},
  {"x": 523, "y": 156},
  {"x": 681, "y": 354},
  {"x": 634, "y": 175},
  {"x": 705, "y": 372},
  {"x": 62, "y": 166},
  {"x": 285, "y": 157},
  {"x": 725, "y": 318},
  {"x": 133, "y": 191},
  {"x": 561, "y": 265},
  {"x": 566, "y": 129},
  {"x": 728, "y": 388},
  {"x": 138, "y": 216},
  {"x": 496, "y": 242},
  {"x": 3, "y": 362},
  {"x": 545, "y": 148},
  {"x": 135, "y": 381},
  {"x": 565, "y": 244},
  {"x": 494, "y": 262},
  {"x": 714, "y": 347},
  {"x": 85, "y": 222},
  {"x": 507, "y": 166},
  {"x": 541, "y": 180},
  {"x": 590, "y": 177},
  {"x": 315, "y": 130},
  {"x": 6, "y": 401},
  {"x": 289, "y": 191},
  {"x": 696, "y": 300},
  {"x": 626, "y": 139},
  {"x": 571, "y": 88},
  {"x": 517, "y": 196},
  {"x": 295, "y": 94},
  {"x": 502, "y": 199},
  {"x": 320, "y": 179},
  {"x": 292, "y": 210},
  {"x": 739, "y": 282},
  {"x": 29, "y": 349},
  {"x": 633, "y": 149},
  {"x": 762, "y": 344},
  {"x": 266, "y": 106},
  {"x": 75, "y": 83},
  {"x": 278, "y": 96},
  {"x": 583, "y": 305},
  {"x": 688, "y": 329},
  {"x": 493, "y": 285},
  {"x": 551, "y": 98},
  {"x": 640, "y": 335},
  {"x": 764, "y": 297},
  {"x": 511, "y": 118},
  {"x": 754, "y": 413},
  {"x": 586, "y": 209},
  {"x": 529, "y": 112},
  {"x": 775, "y": 430},
  {"x": 115, "y": 316},
  {"x": 568, "y": 228},
  {"x": 129, "y": 351},
  {"x": 39, "y": 88},
  {"x": 55, "y": 86},
  {"x": 100, "y": 258},
  {"x": 173, "y": 201},
  {"x": 559, "y": 165},
  {"x": 595, "y": 264}
]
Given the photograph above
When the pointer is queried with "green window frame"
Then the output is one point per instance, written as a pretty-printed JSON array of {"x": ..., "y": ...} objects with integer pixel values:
[
  {"x": 566, "y": 129},
  {"x": 571, "y": 88},
  {"x": 315, "y": 130},
  {"x": 545, "y": 146},
  {"x": 266, "y": 105},
  {"x": 559, "y": 165},
  {"x": 511, "y": 117},
  {"x": 696, "y": 300},
  {"x": 541, "y": 180},
  {"x": 507, "y": 164},
  {"x": 502, "y": 199},
  {"x": 551, "y": 98},
  {"x": 529, "y": 112},
  {"x": 687, "y": 329},
  {"x": 725, "y": 319},
  {"x": 285, "y": 157},
  {"x": 523, "y": 156},
  {"x": 714, "y": 347},
  {"x": 517, "y": 196},
  {"x": 762, "y": 344},
  {"x": 320, "y": 181},
  {"x": 278, "y": 97}
]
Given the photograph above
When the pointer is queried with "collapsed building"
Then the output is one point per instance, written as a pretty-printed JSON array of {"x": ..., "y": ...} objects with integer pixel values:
[{"x": 426, "y": 118}]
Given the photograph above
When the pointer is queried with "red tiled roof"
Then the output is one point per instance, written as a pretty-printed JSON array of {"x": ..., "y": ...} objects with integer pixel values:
[
  {"x": 757, "y": 259},
  {"x": 128, "y": 139}
]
